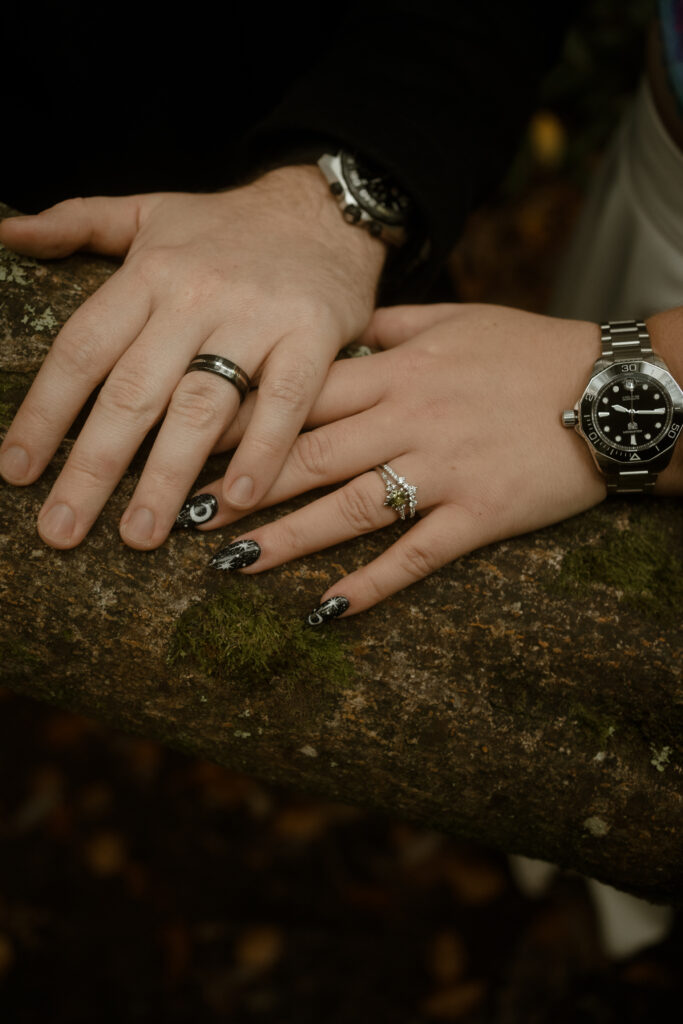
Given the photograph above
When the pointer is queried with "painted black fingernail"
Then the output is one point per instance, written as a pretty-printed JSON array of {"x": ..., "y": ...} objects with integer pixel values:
[
  {"x": 329, "y": 609},
  {"x": 237, "y": 555},
  {"x": 196, "y": 511}
]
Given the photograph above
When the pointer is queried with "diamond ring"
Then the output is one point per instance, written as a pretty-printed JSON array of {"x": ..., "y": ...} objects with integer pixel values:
[{"x": 399, "y": 494}]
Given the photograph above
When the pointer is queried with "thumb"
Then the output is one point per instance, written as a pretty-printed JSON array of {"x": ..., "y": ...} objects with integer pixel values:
[
  {"x": 101, "y": 224},
  {"x": 395, "y": 324}
]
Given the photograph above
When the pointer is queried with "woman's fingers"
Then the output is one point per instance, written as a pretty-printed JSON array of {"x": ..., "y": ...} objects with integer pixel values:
[
  {"x": 394, "y": 325},
  {"x": 355, "y": 509},
  {"x": 444, "y": 534},
  {"x": 318, "y": 458},
  {"x": 101, "y": 223},
  {"x": 351, "y": 386},
  {"x": 81, "y": 356}
]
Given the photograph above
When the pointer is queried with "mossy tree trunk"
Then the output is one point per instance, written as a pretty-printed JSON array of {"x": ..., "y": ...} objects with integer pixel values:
[{"x": 528, "y": 696}]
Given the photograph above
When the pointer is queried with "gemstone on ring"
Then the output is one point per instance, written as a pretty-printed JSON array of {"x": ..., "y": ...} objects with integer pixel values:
[{"x": 400, "y": 496}]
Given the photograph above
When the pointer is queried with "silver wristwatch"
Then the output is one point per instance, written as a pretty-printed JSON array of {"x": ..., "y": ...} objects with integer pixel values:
[
  {"x": 631, "y": 413},
  {"x": 367, "y": 196}
]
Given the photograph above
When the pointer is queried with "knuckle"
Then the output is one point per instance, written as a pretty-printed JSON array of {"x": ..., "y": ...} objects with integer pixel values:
[
  {"x": 416, "y": 560},
  {"x": 287, "y": 539},
  {"x": 152, "y": 264},
  {"x": 93, "y": 470},
  {"x": 128, "y": 393},
  {"x": 288, "y": 387},
  {"x": 358, "y": 507},
  {"x": 198, "y": 403},
  {"x": 77, "y": 352},
  {"x": 309, "y": 312},
  {"x": 313, "y": 453}
]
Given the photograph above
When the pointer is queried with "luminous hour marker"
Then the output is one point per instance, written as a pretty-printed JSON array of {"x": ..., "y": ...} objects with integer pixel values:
[
  {"x": 618, "y": 437},
  {"x": 656, "y": 395},
  {"x": 607, "y": 430},
  {"x": 633, "y": 439},
  {"x": 648, "y": 436},
  {"x": 645, "y": 387},
  {"x": 603, "y": 413},
  {"x": 615, "y": 388},
  {"x": 657, "y": 426},
  {"x": 605, "y": 401}
]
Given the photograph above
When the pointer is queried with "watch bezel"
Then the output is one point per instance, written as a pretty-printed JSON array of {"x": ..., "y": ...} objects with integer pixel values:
[
  {"x": 613, "y": 454},
  {"x": 350, "y": 167}
]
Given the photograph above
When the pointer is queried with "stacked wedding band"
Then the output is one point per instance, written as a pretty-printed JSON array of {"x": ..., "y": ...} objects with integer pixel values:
[
  {"x": 224, "y": 368},
  {"x": 399, "y": 495}
]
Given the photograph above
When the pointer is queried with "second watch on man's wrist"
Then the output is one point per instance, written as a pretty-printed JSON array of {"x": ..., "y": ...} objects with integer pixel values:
[{"x": 631, "y": 413}]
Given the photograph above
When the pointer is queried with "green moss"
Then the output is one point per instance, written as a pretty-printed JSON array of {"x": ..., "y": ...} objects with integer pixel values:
[
  {"x": 13, "y": 388},
  {"x": 590, "y": 721},
  {"x": 640, "y": 563},
  {"x": 238, "y": 636}
]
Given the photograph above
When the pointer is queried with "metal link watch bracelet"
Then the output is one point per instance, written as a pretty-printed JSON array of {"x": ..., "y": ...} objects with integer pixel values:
[{"x": 631, "y": 413}]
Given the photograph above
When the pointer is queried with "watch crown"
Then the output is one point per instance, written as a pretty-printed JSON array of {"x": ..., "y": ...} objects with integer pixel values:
[{"x": 569, "y": 418}]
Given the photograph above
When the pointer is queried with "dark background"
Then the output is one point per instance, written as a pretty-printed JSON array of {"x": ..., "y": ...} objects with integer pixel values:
[{"x": 137, "y": 884}]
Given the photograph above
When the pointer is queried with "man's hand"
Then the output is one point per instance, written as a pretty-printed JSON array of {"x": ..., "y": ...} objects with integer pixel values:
[{"x": 268, "y": 276}]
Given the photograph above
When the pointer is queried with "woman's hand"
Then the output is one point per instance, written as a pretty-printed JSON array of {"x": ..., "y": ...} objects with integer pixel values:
[
  {"x": 466, "y": 405},
  {"x": 268, "y": 276}
]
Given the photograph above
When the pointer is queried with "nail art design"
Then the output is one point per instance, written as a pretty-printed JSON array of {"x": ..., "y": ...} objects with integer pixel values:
[
  {"x": 195, "y": 511},
  {"x": 237, "y": 555},
  {"x": 329, "y": 609}
]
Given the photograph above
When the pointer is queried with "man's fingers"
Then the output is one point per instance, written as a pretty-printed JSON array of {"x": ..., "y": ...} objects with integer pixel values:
[
  {"x": 351, "y": 386},
  {"x": 81, "y": 356},
  {"x": 100, "y": 223},
  {"x": 200, "y": 407},
  {"x": 131, "y": 401},
  {"x": 288, "y": 387},
  {"x": 395, "y": 324}
]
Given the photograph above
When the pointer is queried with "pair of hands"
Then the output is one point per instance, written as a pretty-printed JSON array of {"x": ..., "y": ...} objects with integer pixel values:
[{"x": 464, "y": 401}]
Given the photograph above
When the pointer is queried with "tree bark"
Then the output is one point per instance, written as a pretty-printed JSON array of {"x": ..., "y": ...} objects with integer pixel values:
[{"x": 528, "y": 696}]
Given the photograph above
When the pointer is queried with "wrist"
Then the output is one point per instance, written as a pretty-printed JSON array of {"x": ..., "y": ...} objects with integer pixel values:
[
  {"x": 666, "y": 333},
  {"x": 305, "y": 195}
]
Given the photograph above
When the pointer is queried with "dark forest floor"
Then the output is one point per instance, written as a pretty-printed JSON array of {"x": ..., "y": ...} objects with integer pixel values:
[{"x": 139, "y": 885}]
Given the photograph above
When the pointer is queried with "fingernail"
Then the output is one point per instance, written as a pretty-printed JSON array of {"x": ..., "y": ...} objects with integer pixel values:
[
  {"x": 140, "y": 527},
  {"x": 330, "y": 609},
  {"x": 58, "y": 523},
  {"x": 195, "y": 511},
  {"x": 237, "y": 555},
  {"x": 241, "y": 491},
  {"x": 14, "y": 463}
]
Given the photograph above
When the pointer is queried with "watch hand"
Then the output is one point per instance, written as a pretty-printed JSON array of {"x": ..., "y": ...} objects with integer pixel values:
[
  {"x": 648, "y": 412},
  {"x": 620, "y": 408}
]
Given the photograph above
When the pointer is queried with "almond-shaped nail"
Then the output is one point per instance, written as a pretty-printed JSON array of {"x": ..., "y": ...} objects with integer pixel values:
[
  {"x": 237, "y": 555},
  {"x": 330, "y": 609},
  {"x": 195, "y": 511}
]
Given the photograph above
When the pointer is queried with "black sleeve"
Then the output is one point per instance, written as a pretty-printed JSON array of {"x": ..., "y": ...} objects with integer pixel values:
[{"x": 436, "y": 93}]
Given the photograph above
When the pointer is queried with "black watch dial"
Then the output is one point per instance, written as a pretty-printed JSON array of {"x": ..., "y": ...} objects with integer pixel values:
[
  {"x": 630, "y": 414},
  {"x": 374, "y": 192}
]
